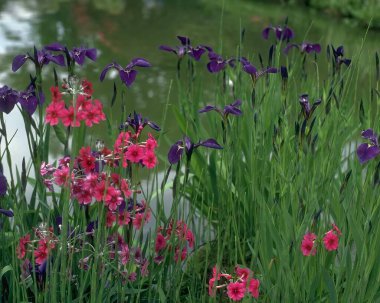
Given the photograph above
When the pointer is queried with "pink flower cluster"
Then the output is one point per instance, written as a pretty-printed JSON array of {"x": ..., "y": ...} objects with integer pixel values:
[
  {"x": 85, "y": 108},
  {"x": 178, "y": 238},
  {"x": 235, "y": 285},
  {"x": 40, "y": 247},
  {"x": 330, "y": 241}
]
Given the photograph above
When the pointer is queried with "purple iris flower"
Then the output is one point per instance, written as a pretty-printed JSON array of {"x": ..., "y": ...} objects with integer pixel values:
[
  {"x": 253, "y": 72},
  {"x": 40, "y": 58},
  {"x": 368, "y": 151},
  {"x": 282, "y": 33},
  {"x": 7, "y": 213},
  {"x": 127, "y": 74},
  {"x": 185, "y": 48},
  {"x": 8, "y": 99},
  {"x": 176, "y": 150},
  {"x": 3, "y": 184},
  {"x": 338, "y": 56},
  {"x": 218, "y": 63},
  {"x": 29, "y": 100},
  {"x": 77, "y": 54},
  {"x": 306, "y": 109},
  {"x": 228, "y": 109},
  {"x": 137, "y": 122},
  {"x": 304, "y": 47}
]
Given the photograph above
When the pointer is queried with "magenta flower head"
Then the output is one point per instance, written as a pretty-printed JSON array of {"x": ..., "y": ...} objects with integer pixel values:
[
  {"x": 282, "y": 33},
  {"x": 217, "y": 63},
  {"x": 306, "y": 109},
  {"x": 231, "y": 109},
  {"x": 8, "y": 99},
  {"x": 176, "y": 150},
  {"x": 368, "y": 151},
  {"x": 185, "y": 48},
  {"x": 304, "y": 47},
  {"x": 127, "y": 74},
  {"x": 253, "y": 72}
]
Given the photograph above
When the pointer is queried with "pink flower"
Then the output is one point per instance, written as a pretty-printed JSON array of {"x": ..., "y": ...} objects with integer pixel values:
[
  {"x": 110, "y": 219},
  {"x": 211, "y": 289},
  {"x": 135, "y": 153},
  {"x": 41, "y": 253},
  {"x": 190, "y": 238},
  {"x": 53, "y": 112},
  {"x": 149, "y": 159},
  {"x": 243, "y": 273},
  {"x": 331, "y": 240},
  {"x": 113, "y": 198},
  {"x": 151, "y": 143},
  {"x": 21, "y": 248},
  {"x": 61, "y": 175},
  {"x": 236, "y": 291},
  {"x": 307, "y": 245},
  {"x": 67, "y": 116},
  {"x": 55, "y": 93},
  {"x": 253, "y": 288},
  {"x": 124, "y": 254},
  {"x": 124, "y": 218},
  {"x": 160, "y": 242}
]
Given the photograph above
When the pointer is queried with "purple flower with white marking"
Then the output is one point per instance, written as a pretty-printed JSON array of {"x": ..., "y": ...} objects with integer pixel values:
[
  {"x": 339, "y": 57},
  {"x": 282, "y": 33},
  {"x": 29, "y": 100},
  {"x": 308, "y": 110},
  {"x": 304, "y": 47},
  {"x": 39, "y": 58},
  {"x": 217, "y": 63},
  {"x": 253, "y": 72},
  {"x": 231, "y": 109},
  {"x": 177, "y": 149},
  {"x": 127, "y": 74},
  {"x": 185, "y": 48},
  {"x": 137, "y": 123},
  {"x": 8, "y": 99},
  {"x": 368, "y": 151},
  {"x": 76, "y": 54}
]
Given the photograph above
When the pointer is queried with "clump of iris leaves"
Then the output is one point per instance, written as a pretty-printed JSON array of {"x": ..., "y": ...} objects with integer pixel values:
[{"x": 268, "y": 152}]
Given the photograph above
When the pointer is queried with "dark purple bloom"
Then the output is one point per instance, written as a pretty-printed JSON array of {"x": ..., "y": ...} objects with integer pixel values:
[
  {"x": 368, "y": 151},
  {"x": 306, "y": 109},
  {"x": 338, "y": 56},
  {"x": 185, "y": 48},
  {"x": 29, "y": 100},
  {"x": 3, "y": 184},
  {"x": 8, "y": 99},
  {"x": 176, "y": 150},
  {"x": 228, "y": 109},
  {"x": 217, "y": 62},
  {"x": 40, "y": 58},
  {"x": 137, "y": 122},
  {"x": 127, "y": 74},
  {"x": 253, "y": 72},
  {"x": 282, "y": 33},
  {"x": 77, "y": 54},
  {"x": 304, "y": 47},
  {"x": 7, "y": 213}
]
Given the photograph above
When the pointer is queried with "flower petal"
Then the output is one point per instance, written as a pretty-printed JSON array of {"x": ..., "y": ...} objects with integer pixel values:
[
  {"x": 175, "y": 152},
  {"x": 105, "y": 70},
  {"x": 265, "y": 33},
  {"x": 19, "y": 61},
  {"x": 91, "y": 53},
  {"x": 207, "y": 108},
  {"x": 55, "y": 47},
  {"x": 7, "y": 213},
  {"x": 128, "y": 76},
  {"x": 210, "y": 143},
  {"x": 367, "y": 152},
  {"x": 184, "y": 40}
]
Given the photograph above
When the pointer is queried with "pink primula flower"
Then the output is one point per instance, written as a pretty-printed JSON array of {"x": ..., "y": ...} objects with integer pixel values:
[
  {"x": 307, "y": 245},
  {"x": 331, "y": 240},
  {"x": 253, "y": 288},
  {"x": 236, "y": 290}
]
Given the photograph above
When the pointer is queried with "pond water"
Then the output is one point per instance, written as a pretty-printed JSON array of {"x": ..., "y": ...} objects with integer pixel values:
[{"x": 122, "y": 30}]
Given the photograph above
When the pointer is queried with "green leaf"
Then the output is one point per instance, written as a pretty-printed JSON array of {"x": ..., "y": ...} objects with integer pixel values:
[
  {"x": 330, "y": 286},
  {"x": 5, "y": 270},
  {"x": 61, "y": 133}
]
